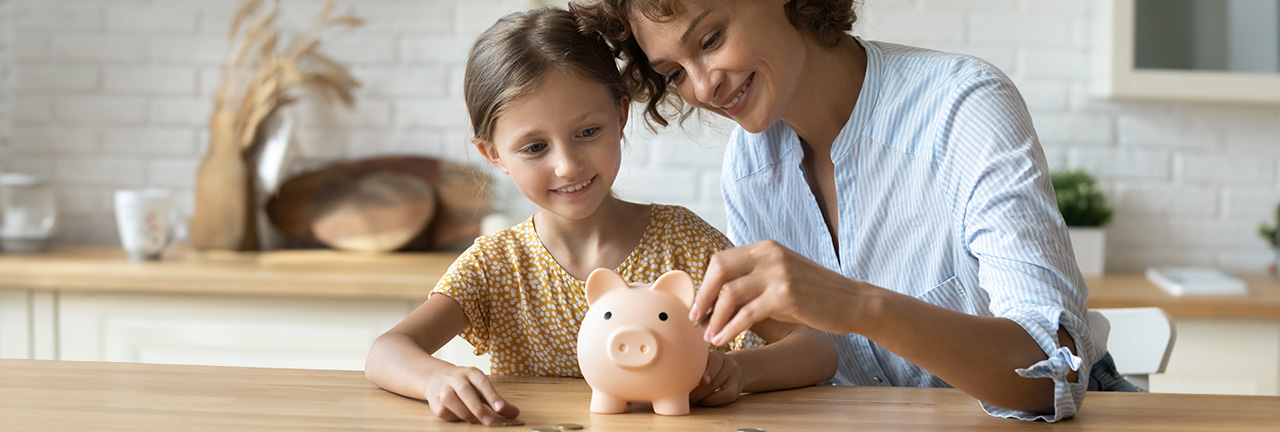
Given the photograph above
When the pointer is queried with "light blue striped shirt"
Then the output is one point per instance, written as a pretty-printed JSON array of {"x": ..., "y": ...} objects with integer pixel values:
[{"x": 944, "y": 195}]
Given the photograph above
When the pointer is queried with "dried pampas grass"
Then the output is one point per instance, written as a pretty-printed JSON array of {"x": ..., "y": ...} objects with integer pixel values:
[{"x": 260, "y": 76}]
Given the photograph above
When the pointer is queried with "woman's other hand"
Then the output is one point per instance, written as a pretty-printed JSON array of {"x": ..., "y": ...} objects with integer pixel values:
[{"x": 466, "y": 394}]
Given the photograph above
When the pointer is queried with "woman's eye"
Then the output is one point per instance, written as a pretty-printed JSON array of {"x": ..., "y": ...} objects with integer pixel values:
[
  {"x": 588, "y": 133},
  {"x": 711, "y": 41},
  {"x": 674, "y": 75}
]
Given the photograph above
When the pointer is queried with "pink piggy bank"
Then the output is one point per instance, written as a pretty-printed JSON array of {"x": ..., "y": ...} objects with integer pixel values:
[{"x": 638, "y": 345}]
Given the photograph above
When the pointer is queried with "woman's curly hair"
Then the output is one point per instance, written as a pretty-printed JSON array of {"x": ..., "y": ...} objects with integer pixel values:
[{"x": 827, "y": 21}]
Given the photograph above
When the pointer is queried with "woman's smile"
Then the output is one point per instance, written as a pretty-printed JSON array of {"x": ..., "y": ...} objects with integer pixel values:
[{"x": 736, "y": 105}]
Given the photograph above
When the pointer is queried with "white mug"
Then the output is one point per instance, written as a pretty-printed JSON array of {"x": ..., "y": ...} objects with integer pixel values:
[{"x": 142, "y": 217}]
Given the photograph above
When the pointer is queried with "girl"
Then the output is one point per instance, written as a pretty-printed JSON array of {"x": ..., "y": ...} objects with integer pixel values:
[
  {"x": 892, "y": 195},
  {"x": 547, "y": 108}
]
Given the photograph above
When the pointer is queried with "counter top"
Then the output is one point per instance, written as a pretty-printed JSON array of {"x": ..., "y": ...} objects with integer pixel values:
[
  {"x": 294, "y": 273},
  {"x": 1134, "y": 290},
  {"x": 410, "y": 276},
  {"x": 37, "y": 395}
]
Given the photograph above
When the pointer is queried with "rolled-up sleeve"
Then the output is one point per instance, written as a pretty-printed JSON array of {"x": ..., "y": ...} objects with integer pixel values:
[{"x": 1012, "y": 226}]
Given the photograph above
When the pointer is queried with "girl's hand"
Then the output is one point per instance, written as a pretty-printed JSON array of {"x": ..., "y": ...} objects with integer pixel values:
[
  {"x": 748, "y": 284},
  {"x": 720, "y": 384},
  {"x": 466, "y": 394}
]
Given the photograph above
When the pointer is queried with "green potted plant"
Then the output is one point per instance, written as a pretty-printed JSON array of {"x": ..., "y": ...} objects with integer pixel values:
[
  {"x": 1271, "y": 233},
  {"x": 1085, "y": 211}
]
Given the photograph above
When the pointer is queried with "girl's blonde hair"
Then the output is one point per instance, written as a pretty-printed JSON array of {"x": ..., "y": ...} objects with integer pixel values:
[{"x": 508, "y": 60}]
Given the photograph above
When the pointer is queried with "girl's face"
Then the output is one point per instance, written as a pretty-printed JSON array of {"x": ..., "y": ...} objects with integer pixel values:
[
  {"x": 561, "y": 144},
  {"x": 738, "y": 59}
]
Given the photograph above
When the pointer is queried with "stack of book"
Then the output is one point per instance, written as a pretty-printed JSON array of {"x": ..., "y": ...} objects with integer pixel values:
[{"x": 1196, "y": 281}]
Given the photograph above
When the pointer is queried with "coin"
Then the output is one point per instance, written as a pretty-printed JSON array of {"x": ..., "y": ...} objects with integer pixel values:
[
  {"x": 750, "y": 430},
  {"x": 702, "y": 319},
  {"x": 546, "y": 430},
  {"x": 503, "y": 422},
  {"x": 568, "y": 426}
]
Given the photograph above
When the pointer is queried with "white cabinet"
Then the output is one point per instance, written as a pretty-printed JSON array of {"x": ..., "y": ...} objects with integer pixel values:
[
  {"x": 1223, "y": 356},
  {"x": 15, "y": 324},
  {"x": 213, "y": 330}
]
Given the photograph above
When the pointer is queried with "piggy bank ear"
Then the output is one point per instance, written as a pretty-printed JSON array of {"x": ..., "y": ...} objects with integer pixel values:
[
  {"x": 676, "y": 283},
  {"x": 601, "y": 281}
]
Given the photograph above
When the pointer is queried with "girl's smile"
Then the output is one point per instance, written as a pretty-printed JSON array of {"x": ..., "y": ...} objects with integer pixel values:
[{"x": 576, "y": 189}]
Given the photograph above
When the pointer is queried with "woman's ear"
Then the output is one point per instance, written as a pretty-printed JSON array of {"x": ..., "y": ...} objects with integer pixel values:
[{"x": 491, "y": 153}]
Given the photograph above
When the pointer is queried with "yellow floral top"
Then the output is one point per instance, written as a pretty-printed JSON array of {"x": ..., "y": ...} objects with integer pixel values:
[{"x": 525, "y": 310}]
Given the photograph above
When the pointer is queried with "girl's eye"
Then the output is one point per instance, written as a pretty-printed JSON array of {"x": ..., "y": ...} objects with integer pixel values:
[
  {"x": 590, "y": 132},
  {"x": 534, "y": 148}
]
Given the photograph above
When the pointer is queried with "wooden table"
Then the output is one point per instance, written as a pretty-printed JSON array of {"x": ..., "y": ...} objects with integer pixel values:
[
  {"x": 1134, "y": 290},
  {"x": 39, "y": 395}
]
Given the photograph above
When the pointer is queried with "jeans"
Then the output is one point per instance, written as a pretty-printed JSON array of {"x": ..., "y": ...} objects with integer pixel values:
[{"x": 1103, "y": 377}]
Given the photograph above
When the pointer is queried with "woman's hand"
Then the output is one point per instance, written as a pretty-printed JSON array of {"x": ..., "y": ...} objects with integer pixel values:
[
  {"x": 466, "y": 394},
  {"x": 747, "y": 284},
  {"x": 720, "y": 384}
]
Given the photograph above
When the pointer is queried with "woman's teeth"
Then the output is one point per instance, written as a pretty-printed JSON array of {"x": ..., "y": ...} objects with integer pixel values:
[
  {"x": 574, "y": 188},
  {"x": 738, "y": 97}
]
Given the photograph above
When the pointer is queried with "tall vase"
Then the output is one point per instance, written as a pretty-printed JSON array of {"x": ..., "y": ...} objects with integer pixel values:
[{"x": 222, "y": 190}]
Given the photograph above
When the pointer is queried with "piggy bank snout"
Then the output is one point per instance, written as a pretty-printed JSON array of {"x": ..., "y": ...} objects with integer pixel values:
[{"x": 632, "y": 346}]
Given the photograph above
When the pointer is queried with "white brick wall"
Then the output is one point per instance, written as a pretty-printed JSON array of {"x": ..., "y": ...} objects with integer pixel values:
[
  {"x": 6, "y": 87},
  {"x": 99, "y": 97}
]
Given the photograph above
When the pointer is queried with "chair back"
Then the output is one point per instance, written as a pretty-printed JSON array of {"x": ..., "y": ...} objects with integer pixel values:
[{"x": 1140, "y": 340}]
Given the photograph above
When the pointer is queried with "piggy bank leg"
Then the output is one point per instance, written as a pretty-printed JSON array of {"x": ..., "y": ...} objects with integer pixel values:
[
  {"x": 672, "y": 406},
  {"x": 603, "y": 403}
]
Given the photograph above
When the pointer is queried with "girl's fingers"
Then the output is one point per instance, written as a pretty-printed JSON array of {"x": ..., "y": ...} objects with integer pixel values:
[
  {"x": 455, "y": 406},
  {"x": 477, "y": 409},
  {"x": 492, "y": 399},
  {"x": 714, "y": 362}
]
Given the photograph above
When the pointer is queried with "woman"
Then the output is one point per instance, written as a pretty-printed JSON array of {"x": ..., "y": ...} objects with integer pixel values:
[{"x": 894, "y": 196}]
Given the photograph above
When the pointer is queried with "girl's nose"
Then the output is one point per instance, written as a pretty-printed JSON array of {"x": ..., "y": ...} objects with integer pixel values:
[{"x": 568, "y": 163}]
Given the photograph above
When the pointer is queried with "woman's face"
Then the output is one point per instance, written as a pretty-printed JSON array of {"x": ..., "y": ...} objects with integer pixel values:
[
  {"x": 561, "y": 144},
  {"x": 740, "y": 59}
]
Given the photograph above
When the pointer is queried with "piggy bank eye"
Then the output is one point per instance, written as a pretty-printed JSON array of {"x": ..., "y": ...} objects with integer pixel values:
[
  {"x": 662, "y": 316},
  {"x": 608, "y": 315}
]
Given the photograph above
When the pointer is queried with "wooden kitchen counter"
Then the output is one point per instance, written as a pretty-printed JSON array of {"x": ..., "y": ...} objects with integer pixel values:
[
  {"x": 45, "y": 395},
  {"x": 410, "y": 276},
  {"x": 1134, "y": 290},
  {"x": 295, "y": 273}
]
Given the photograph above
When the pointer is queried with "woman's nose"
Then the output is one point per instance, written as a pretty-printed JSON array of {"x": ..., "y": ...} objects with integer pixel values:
[{"x": 705, "y": 84}]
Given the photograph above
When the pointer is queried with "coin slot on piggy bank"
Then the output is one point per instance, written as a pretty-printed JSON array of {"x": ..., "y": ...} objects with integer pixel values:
[{"x": 638, "y": 345}]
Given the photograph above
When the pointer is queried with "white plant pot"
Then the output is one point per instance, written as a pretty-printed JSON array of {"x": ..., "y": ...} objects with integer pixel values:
[{"x": 1090, "y": 246}]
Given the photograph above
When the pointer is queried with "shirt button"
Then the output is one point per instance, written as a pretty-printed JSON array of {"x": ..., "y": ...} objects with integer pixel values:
[{"x": 877, "y": 379}]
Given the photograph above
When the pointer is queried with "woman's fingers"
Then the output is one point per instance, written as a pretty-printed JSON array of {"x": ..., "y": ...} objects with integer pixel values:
[
  {"x": 759, "y": 308},
  {"x": 725, "y": 266},
  {"x": 733, "y": 296}
]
